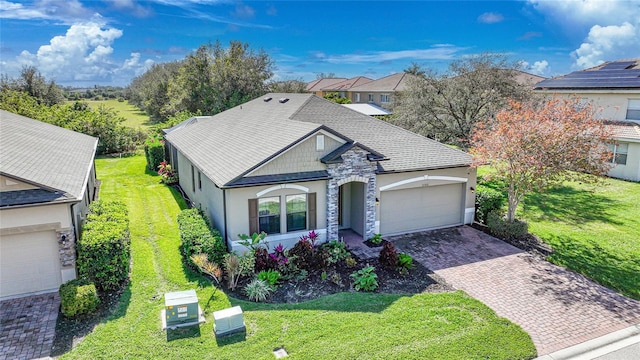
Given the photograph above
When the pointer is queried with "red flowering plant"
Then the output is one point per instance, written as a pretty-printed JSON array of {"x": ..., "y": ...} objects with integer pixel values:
[
  {"x": 278, "y": 256},
  {"x": 169, "y": 176}
]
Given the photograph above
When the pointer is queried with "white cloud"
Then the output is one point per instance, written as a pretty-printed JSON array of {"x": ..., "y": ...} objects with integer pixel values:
[
  {"x": 539, "y": 67},
  {"x": 66, "y": 11},
  {"x": 606, "y": 43},
  {"x": 490, "y": 18},
  {"x": 83, "y": 53},
  {"x": 610, "y": 30},
  {"x": 440, "y": 52}
]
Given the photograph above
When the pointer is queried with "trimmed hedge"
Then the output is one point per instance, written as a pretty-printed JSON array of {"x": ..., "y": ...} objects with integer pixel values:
[
  {"x": 501, "y": 228},
  {"x": 197, "y": 236},
  {"x": 78, "y": 297},
  {"x": 487, "y": 200},
  {"x": 154, "y": 152},
  {"x": 104, "y": 249}
]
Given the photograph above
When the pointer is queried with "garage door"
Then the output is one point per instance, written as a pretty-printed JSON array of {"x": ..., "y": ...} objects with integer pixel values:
[
  {"x": 29, "y": 263},
  {"x": 420, "y": 208}
]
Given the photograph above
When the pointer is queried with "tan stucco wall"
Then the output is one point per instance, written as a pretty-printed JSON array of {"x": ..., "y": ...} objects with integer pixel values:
[
  {"x": 611, "y": 105},
  {"x": 35, "y": 218},
  {"x": 9, "y": 184},
  {"x": 300, "y": 158},
  {"x": 238, "y": 209},
  {"x": 630, "y": 171}
]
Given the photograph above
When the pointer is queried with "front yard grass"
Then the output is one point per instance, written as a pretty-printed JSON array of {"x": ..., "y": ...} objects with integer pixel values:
[
  {"x": 594, "y": 229},
  {"x": 341, "y": 326}
]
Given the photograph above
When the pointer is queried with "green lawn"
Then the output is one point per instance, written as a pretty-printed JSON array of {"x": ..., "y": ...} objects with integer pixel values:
[
  {"x": 134, "y": 117},
  {"x": 593, "y": 229},
  {"x": 341, "y": 326}
]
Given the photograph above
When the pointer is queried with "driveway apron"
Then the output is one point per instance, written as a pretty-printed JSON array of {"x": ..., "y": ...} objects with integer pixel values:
[
  {"x": 557, "y": 307},
  {"x": 27, "y": 326}
]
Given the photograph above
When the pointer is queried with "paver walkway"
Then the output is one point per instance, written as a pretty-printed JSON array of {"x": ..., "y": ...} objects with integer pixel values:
[
  {"x": 557, "y": 307},
  {"x": 27, "y": 326}
]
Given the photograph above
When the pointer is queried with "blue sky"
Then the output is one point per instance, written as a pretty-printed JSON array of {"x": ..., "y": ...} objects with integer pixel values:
[{"x": 84, "y": 43}]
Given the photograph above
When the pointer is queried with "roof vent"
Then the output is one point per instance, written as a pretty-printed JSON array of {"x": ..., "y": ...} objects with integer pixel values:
[
  {"x": 267, "y": 99},
  {"x": 283, "y": 100}
]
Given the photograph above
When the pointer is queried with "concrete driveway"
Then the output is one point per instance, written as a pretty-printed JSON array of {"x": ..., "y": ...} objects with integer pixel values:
[
  {"x": 557, "y": 307},
  {"x": 28, "y": 326}
]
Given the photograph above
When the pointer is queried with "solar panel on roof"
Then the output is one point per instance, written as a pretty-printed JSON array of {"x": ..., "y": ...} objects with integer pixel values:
[
  {"x": 630, "y": 73},
  {"x": 618, "y": 65}
]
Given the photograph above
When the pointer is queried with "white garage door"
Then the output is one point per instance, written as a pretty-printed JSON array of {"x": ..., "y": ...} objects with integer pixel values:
[
  {"x": 29, "y": 263},
  {"x": 421, "y": 208}
]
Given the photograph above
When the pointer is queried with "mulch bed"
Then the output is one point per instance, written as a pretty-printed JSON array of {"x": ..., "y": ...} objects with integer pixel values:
[{"x": 530, "y": 243}]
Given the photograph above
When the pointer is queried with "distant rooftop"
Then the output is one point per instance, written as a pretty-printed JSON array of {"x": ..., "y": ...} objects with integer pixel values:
[
  {"x": 619, "y": 74},
  {"x": 368, "y": 109}
]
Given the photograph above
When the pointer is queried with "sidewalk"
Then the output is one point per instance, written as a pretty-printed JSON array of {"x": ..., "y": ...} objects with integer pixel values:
[{"x": 619, "y": 345}]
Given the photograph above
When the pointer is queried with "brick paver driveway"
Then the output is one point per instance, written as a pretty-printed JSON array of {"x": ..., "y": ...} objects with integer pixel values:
[
  {"x": 27, "y": 326},
  {"x": 558, "y": 308}
]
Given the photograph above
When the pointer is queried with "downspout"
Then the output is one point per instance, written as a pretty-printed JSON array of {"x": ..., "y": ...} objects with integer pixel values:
[{"x": 224, "y": 211}]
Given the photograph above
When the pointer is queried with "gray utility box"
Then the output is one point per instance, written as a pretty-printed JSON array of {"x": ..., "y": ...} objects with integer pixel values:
[{"x": 181, "y": 307}]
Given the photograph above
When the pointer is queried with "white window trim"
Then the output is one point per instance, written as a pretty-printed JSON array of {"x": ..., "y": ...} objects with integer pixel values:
[
  {"x": 634, "y": 106},
  {"x": 281, "y": 186},
  {"x": 423, "y": 178}
]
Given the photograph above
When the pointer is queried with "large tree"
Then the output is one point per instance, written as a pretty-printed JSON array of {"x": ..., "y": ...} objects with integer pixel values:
[
  {"x": 533, "y": 146},
  {"x": 446, "y": 107},
  {"x": 32, "y": 82}
]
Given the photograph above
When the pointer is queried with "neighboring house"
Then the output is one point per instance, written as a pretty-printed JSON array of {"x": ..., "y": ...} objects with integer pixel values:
[
  {"x": 289, "y": 163},
  {"x": 379, "y": 92},
  {"x": 317, "y": 85},
  {"x": 369, "y": 109},
  {"x": 343, "y": 87},
  {"x": 47, "y": 180},
  {"x": 614, "y": 90}
]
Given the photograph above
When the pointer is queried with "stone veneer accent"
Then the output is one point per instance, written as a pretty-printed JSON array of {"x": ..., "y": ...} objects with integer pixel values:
[
  {"x": 67, "y": 247},
  {"x": 354, "y": 167}
]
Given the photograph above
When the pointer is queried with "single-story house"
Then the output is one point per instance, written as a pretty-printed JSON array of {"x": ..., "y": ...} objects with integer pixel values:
[
  {"x": 47, "y": 180},
  {"x": 613, "y": 88},
  {"x": 286, "y": 164}
]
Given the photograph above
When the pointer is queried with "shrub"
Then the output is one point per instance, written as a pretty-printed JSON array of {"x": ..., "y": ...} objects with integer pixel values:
[
  {"x": 168, "y": 176},
  {"x": 278, "y": 257},
  {"x": 238, "y": 266},
  {"x": 487, "y": 200},
  {"x": 78, "y": 297},
  {"x": 252, "y": 242},
  {"x": 207, "y": 267},
  {"x": 336, "y": 251},
  {"x": 104, "y": 247},
  {"x": 350, "y": 262},
  {"x": 262, "y": 260},
  {"x": 257, "y": 290},
  {"x": 302, "y": 254},
  {"x": 365, "y": 279},
  {"x": 405, "y": 263},
  {"x": 154, "y": 152},
  {"x": 270, "y": 276},
  {"x": 388, "y": 256},
  {"x": 376, "y": 239},
  {"x": 501, "y": 228},
  {"x": 197, "y": 237}
]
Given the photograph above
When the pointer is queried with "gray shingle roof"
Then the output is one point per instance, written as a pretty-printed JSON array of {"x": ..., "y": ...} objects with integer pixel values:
[
  {"x": 232, "y": 143},
  {"x": 45, "y": 154}
]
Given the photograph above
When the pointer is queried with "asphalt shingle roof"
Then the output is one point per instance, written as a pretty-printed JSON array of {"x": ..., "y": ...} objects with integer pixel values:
[{"x": 45, "y": 154}]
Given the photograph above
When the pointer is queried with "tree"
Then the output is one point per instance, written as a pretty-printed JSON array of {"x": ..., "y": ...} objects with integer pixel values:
[
  {"x": 32, "y": 82},
  {"x": 534, "y": 146},
  {"x": 415, "y": 69},
  {"x": 336, "y": 98},
  {"x": 447, "y": 107},
  {"x": 288, "y": 86}
]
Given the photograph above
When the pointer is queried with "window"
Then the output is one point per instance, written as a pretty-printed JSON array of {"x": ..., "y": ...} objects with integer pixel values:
[
  {"x": 296, "y": 212},
  {"x": 357, "y": 97},
  {"x": 320, "y": 143},
  {"x": 619, "y": 153},
  {"x": 269, "y": 215},
  {"x": 199, "y": 180},
  {"x": 633, "y": 109},
  {"x": 193, "y": 179},
  {"x": 370, "y": 97},
  {"x": 384, "y": 98}
]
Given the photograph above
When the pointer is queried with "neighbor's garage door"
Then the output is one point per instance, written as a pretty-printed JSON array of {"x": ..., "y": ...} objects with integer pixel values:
[
  {"x": 29, "y": 263},
  {"x": 420, "y": 208}
]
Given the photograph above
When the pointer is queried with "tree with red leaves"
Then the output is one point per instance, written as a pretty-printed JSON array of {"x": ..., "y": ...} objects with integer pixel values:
[{"x": 534, "y": 146}]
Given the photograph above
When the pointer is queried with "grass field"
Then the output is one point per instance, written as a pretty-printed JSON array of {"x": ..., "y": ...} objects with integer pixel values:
[
  {"x": 341, "y": 326},
  {"x": 135, "y": 118},
  {"x": 594, "y": 229}
]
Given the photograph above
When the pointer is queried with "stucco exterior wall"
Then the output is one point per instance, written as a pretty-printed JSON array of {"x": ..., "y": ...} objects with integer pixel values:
[
  {"x": 300, "y": 158},
  {"x": 9, "y": 184},
  {"x": 238, "y": 211},
  {"x": 631, "y": 170},
  {"x": 608, "y": 105},
  {"x": 34, "y": 218}
]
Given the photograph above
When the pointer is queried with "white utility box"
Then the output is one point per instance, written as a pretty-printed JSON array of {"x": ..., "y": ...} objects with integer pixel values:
[{"x": 228, "y": 321}]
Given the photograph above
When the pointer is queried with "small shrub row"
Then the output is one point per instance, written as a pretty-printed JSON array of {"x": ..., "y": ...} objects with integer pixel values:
[
  {"x": 502, "y": 228},
  {"x": 154, "y": 152},
  {"x": 78, "y": 297},
  {"x": 104, "y": 249},
  {"x": 198, "y": 237},
  {"x": 487, "y": 200}
]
